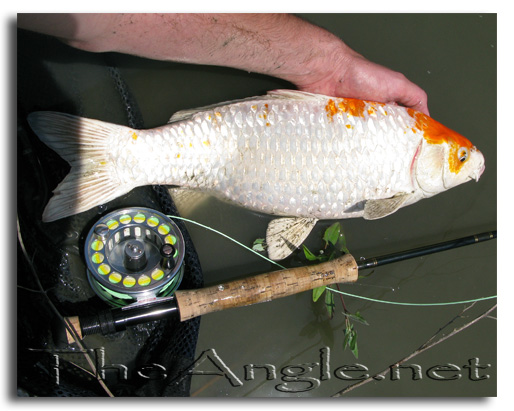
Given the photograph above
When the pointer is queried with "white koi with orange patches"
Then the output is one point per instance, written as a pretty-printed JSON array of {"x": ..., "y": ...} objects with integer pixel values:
[{"x": 287, "y": 153}]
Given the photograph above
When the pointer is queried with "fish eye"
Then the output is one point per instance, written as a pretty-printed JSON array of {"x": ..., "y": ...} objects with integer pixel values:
[{"x": 463, "y": 154}]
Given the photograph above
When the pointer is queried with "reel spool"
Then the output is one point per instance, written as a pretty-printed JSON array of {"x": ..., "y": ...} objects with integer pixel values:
[{"x": 134, "y": 255}]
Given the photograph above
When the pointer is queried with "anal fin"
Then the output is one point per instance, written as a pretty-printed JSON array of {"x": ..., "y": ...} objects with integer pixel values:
[{"x": 284, "y": 235}]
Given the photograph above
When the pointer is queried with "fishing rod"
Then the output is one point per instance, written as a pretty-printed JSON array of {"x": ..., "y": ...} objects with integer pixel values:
[
  {"x": 188, "y": 304},
  {"x": 429, "y": 249}
]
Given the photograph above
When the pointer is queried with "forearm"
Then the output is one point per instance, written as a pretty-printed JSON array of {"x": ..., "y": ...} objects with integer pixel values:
[{"x": 279, "y": 45}]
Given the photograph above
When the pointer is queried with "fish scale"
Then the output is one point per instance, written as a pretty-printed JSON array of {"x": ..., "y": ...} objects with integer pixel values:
[
  {"x": 318, "y": 155},
  {"x": 236, "y": 176}
]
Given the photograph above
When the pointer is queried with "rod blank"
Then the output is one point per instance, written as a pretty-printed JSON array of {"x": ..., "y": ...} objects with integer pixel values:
[{"x": 421, "y": 251}]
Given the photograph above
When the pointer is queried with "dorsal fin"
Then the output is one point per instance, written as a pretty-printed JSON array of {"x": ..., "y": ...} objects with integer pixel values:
[
  {"x": 273, "y": 94},
  {"x": 188, "y": 113},
  {"x": 295, "y": 95}
]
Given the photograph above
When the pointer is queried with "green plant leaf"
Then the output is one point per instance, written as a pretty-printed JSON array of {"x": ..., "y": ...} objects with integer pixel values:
[
  {"x": 332, "y": 234},
  {"x": 353, "y": 340},
  {"x": 356, "y": 317},
  {"x": 335, "y": 245},
  {"x": 353, "y": 345},
  {"x": 259, "y": 245},
  {"x": 316, "y": 292},
  {"x": 341, "y": 243},
  {"x": 329, "y": 303},
  {"x": 309, "y": 255},
  {"x": 350, "y": 340},
  {"x": 347, "y": 335}
]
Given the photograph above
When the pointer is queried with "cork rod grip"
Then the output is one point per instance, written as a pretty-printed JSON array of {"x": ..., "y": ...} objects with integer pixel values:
[{"x": 265, "y": 287}]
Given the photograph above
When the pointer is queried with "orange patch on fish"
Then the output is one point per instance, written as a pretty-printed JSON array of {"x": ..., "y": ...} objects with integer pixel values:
[
  {"x": 264, "y": 114},
  {"x": 437, "y": 133},
  {"x": 454, "y": 164},
  {"x": 434, "y": 132},
  {"x": 134, "y": 136},
  {"x": 350, "y": 106},
  {"x": 331, "y": 109}
]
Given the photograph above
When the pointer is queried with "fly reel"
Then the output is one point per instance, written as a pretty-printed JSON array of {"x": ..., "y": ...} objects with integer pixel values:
[{"x": 134, "y": 255}]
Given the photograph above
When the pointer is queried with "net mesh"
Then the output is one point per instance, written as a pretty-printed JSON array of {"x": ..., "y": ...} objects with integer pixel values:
[{"x": 52, "y": 281}]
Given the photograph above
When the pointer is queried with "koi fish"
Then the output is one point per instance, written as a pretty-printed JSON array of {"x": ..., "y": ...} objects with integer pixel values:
[{"x": 300, "y": 156}]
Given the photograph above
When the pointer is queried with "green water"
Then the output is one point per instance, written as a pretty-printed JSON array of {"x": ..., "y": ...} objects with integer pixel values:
[{"x": 453, "y": 58}]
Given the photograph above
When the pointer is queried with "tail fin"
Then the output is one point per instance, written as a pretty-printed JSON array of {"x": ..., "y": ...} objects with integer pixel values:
[{"x": 83, "y": 143}]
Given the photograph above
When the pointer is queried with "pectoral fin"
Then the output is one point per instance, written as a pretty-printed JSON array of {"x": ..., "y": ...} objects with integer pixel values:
[
  {"x": 284, "y": 235},
  {"x": 375, "y": 209}
]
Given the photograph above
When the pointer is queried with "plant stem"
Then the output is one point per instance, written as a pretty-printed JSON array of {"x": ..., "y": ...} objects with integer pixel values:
[{"x": 425, "y": 346}]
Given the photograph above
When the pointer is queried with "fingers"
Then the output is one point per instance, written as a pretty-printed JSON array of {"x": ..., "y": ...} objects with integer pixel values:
[
  {"x": 362, "y": 79},
  {"x": 410, "y": 95},
  {"x": 414, "y": 98},
  {"x": 385, "y": 85}
]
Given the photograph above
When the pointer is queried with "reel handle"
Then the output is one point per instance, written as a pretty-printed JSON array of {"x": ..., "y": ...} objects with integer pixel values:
[
  {"x": 238, "y": 293},
  {"x": 265, "y": 287}
]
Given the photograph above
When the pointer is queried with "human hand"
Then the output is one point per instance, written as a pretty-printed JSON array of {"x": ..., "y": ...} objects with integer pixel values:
[{"x": 356, "y": 77}]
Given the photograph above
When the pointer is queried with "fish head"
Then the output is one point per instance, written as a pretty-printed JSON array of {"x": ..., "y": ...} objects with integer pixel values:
[{"x": 445, "y": 159}]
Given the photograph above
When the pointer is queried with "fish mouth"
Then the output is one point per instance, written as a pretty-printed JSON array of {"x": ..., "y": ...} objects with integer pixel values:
[{"x": 477, "y": 174}]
